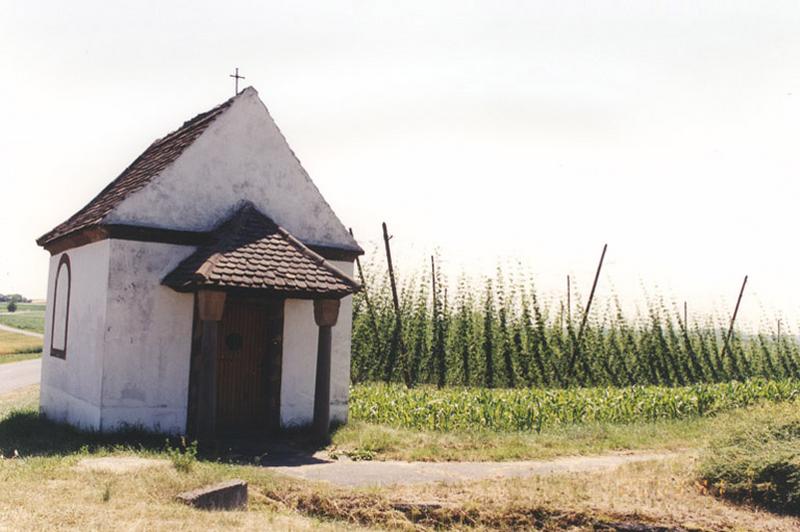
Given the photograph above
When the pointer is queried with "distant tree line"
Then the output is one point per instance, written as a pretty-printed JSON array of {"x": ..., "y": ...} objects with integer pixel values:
[{"x": 15, "y": 298}]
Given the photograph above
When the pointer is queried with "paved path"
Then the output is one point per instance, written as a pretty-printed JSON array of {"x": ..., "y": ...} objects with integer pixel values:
[
  {"x": 20, "y": 331},
  {"x": 14, "y": 375},
  {"x": 345, "y": 472}
]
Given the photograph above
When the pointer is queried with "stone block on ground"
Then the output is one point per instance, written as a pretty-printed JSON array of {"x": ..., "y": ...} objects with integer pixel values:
[{"x": 229, "y": 495}]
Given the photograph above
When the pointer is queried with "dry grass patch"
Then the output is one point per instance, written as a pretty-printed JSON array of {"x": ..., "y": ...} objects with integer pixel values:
[
  {"x": 46, "y": 489},
  {"x": 52, "y": 494},
  {"x": 377, "y": 510},
  {"x": 662, "y": 493},
  {"x": 13, "y": 343}
]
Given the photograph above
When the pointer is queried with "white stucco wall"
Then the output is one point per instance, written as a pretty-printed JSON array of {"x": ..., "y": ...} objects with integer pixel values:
[
  {"x": 340, "y": 353},
  {"x": 299, "y": 364},
  {"x": 241, "y": 156},
  {"x": 71, "y": 388},
  {"x": 148, "y": 339}
]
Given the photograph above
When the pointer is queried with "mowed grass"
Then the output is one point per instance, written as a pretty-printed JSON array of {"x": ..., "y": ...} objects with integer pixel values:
[
  {"x": 44, "y": 489},
  {"x": 362, "y": 440},
  {"x": 367, "y": 441},
  {"x": 12, "y": 344},
  {"x": 27, "y": 321}
]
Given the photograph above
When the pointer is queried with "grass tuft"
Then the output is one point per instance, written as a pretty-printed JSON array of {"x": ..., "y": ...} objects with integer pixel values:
[{"x": 758, "y": 462}]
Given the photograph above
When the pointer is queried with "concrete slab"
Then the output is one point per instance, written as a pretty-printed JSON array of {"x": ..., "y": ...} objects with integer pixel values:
[{"x": 345, "y": 472}]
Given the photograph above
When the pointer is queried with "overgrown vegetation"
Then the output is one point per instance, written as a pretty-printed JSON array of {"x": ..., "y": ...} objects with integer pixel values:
[
  {"x": 758, "y": 462},
  {"x": 503, "y": 333},
  {"x": 183, "y": 456}
]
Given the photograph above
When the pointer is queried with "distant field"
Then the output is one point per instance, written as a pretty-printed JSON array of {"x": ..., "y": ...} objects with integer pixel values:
[
  {"x": 30, "y": 306},
  {"x": 13, "y": 344},
  {"x": 29, "y": 321}
]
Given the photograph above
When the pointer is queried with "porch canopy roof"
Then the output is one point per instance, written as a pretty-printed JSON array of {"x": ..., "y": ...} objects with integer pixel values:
[{"x": 250, "y": 252}]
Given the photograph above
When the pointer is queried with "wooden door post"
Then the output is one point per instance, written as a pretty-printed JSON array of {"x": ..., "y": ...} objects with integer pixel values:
[
  {"x": 210, "y": 307},
  {"x": 326, "y": 313}
]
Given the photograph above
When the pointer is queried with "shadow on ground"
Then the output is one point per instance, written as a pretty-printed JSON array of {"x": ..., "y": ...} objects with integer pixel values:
[{"x": 30, "y": 434}]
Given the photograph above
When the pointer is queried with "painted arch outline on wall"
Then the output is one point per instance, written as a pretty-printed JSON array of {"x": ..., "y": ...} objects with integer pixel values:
[{"x": 61, "y": 296}]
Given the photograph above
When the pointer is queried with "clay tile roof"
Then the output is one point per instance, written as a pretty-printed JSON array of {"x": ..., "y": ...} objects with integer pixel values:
[
  {"x": 148, "y": 165},
  {"x": 250, "y": 251}
]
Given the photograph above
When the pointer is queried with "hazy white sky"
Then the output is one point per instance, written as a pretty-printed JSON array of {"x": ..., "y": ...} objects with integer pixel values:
[{"x": 491, "y": 130}]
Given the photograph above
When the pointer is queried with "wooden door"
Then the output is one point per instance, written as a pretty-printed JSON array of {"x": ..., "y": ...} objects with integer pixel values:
[{"x": 248, "y": 367}]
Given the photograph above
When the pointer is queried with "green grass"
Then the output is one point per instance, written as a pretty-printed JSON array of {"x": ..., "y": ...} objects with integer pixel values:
[
  {"x": 6, "y": 359},
  {"x": 30, "y": 306},
  {"x": 367, "y": 441},
  {"x": 758, "y": 459},
  {"x": 363, "y": 440},
  {"x": 32, "y": 321}
]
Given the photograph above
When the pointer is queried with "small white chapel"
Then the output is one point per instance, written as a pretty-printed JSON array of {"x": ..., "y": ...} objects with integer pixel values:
[{"x": 205, "y": 291}]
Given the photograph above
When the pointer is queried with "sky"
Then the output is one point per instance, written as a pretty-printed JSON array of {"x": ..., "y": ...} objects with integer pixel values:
[{"x": 492, "y": 133}]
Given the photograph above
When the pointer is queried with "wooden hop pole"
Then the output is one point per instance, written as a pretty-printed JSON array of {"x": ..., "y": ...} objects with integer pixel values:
[
  {"x": 566, "y": 312},
  {"x": 576, "y": 344},
  {"x": 396, "y": 346},
  {"x": 685, "y": 316},
  {"x": 726, "y": 345}
]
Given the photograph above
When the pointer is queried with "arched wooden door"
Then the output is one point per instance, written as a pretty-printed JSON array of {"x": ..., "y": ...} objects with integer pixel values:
[{"x": 249, "y": 346}]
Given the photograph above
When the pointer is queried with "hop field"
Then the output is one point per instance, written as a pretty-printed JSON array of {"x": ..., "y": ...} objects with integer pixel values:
[
  {"x": 534, "y": 409},
  {"x": 501, "y": 333}
]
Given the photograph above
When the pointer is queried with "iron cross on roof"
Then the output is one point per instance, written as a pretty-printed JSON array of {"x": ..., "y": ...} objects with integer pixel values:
[{"x": 236, "y": 77}]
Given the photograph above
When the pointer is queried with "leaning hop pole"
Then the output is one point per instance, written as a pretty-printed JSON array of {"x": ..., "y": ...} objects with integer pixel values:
[
  {"x": 397, "y": 345},
  {"x": 576, "y": 343},
  {"x": 726, "y": 346}
]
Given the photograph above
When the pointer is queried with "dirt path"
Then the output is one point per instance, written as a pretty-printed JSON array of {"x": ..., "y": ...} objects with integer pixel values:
[
  {"x": 20, "y": 331},
  {"x": 345, "y": 472},
  {"x": 15, "y": 375}
]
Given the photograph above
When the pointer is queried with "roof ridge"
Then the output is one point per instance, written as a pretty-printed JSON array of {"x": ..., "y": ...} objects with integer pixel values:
[
  {"x": 316, "y": 257},
  {"x": 251, "y": 251},
  {"x": 195, "y": 120}
]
